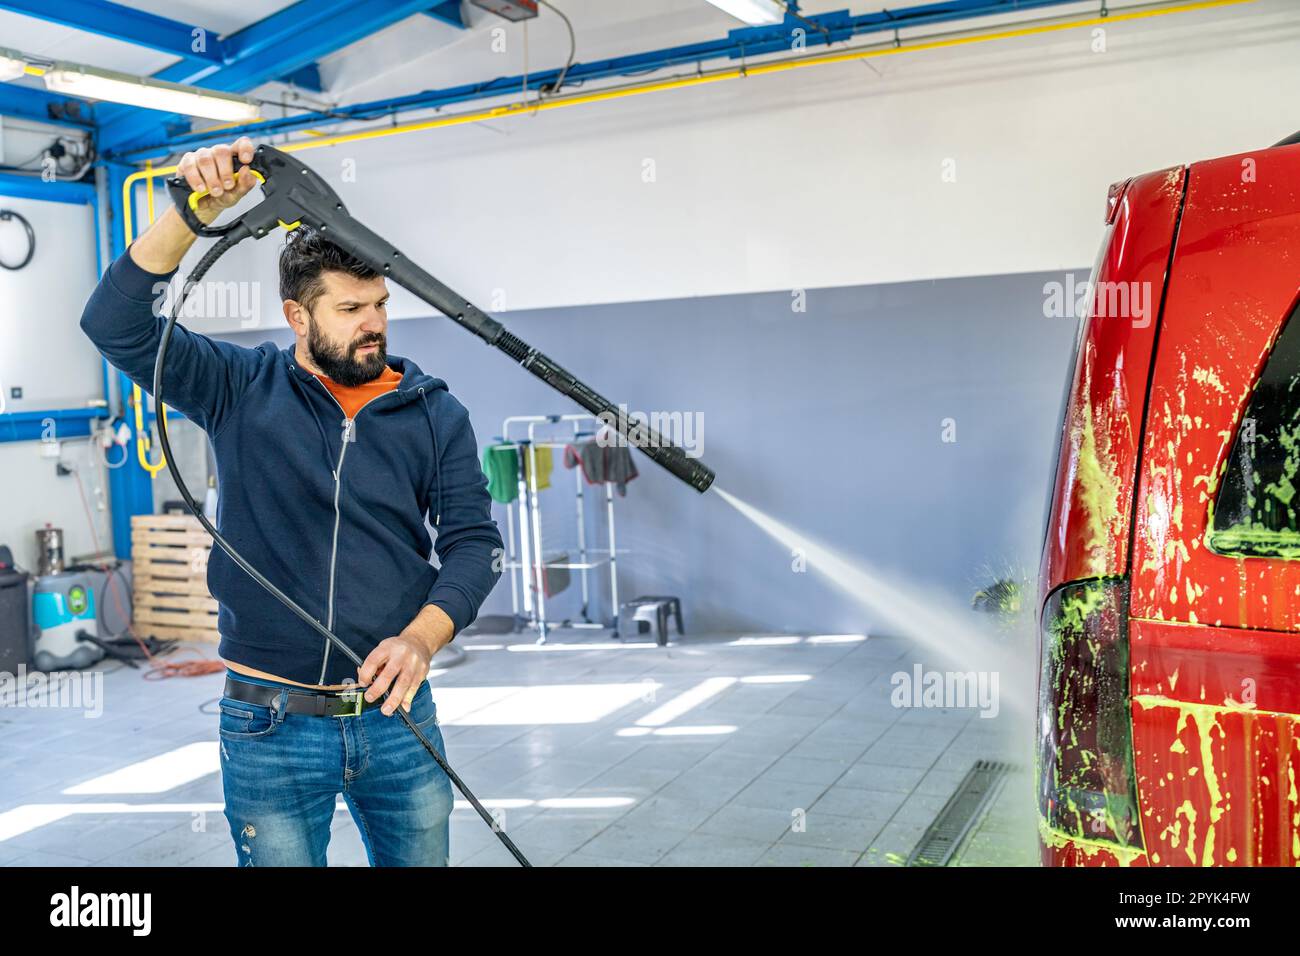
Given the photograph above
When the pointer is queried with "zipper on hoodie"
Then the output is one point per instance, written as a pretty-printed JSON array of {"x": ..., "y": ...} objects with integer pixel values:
[{"x": 349, "y": 436}]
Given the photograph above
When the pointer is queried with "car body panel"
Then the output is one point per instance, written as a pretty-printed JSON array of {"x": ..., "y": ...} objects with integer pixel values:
[
  {"x": 1235, "y": 278},
  {"x": 1216, "y": 775},
  {"x": 1214, "y": 653},
  {"x": 1090, "y": 518},
  {"x": 1216, "y": 691}
]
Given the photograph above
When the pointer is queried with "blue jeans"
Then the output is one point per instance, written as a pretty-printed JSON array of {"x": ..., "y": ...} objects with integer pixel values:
[{"x": 281, "y": 775}]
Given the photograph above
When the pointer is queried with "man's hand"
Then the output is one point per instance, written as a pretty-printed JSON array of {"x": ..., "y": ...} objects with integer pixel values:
[
  {"x": 213, "y": 169},
  {"x": 160, "y": 248},
  {"x": 399, "y": 665}
]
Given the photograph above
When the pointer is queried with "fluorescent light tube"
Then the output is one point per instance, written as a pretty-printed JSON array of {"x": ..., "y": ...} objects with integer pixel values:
[
  {"x": 12, "y": 65},
  {"x": 93, "y": 83},
  {"x": 755, "y": 12}
]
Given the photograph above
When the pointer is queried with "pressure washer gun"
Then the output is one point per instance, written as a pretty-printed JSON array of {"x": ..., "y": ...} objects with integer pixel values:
[{"x": 295, "y": 194}]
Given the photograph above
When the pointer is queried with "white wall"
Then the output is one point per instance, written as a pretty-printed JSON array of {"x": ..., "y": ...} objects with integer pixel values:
[
  {"x": 822, "y": 177},
  {"x": 43, "y": 350}
]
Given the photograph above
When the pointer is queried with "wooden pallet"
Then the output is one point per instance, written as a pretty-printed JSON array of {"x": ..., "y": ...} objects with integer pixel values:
[{"x": 170, "y": 565}]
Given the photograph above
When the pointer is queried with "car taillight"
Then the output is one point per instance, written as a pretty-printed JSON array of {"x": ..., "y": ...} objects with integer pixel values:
[
  {"x": 1113, "y": 197},
  {"x": 1085, "y": 742}
]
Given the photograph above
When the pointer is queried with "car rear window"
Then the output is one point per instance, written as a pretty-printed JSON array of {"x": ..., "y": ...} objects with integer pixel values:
[{"x": 1255, "y": 510}]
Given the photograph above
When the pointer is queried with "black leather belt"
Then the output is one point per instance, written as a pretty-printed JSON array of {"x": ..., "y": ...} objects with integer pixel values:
[{"x": 313, "y": 703}]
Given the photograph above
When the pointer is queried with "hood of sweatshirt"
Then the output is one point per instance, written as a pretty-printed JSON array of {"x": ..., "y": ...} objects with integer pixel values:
[{"x": 416, "y": 385}]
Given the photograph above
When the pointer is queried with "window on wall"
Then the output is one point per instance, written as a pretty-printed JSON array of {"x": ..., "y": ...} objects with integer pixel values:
[{"x": 1256, "y": 510}]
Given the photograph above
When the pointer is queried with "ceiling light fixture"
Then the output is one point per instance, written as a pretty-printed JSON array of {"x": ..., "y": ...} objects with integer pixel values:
[
  {"x": 12, "y": 65},
  {"x": 753, "y": 12},
  {"x": 92, "y": 83}
]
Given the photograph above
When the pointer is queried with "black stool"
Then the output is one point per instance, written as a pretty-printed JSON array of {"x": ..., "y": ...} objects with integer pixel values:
[{"x": 654, "y": 608}]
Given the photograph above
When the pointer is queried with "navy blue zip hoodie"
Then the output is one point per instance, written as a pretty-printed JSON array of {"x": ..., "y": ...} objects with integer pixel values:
[{"x": 331, "y": 510}]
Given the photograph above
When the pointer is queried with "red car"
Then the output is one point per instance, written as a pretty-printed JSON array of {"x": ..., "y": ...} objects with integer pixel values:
[{"x": 1169, "y": 653}]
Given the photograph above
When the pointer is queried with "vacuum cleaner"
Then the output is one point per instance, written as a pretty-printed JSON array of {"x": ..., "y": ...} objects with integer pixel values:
[{"x": 294, "y": 194}]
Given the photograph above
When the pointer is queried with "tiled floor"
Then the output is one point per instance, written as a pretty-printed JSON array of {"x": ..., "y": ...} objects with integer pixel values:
[{"x": 719, "y": 751}]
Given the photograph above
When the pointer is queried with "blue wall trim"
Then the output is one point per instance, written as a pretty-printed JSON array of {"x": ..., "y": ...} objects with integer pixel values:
[
  {"x": 33, "y": 426},
  {"x": 33, "y": 187}
]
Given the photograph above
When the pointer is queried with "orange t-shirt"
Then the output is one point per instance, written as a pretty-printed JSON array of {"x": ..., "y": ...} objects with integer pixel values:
[{"x": 352, "y": 398}]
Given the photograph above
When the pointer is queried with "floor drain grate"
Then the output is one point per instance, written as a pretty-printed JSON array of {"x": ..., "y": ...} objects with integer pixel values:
[{"x": 945, "y": 834}]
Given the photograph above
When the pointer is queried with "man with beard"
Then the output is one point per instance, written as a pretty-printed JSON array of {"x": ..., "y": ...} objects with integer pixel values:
[{"x": 330, "y": 455}]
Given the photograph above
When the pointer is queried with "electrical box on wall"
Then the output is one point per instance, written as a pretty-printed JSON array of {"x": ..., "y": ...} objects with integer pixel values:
[{"x": 510, "y": 9}]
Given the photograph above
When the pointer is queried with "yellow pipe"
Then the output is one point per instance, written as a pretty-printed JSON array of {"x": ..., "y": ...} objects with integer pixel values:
[
  {"x": 142, "y": 440},
  {"x": 148, "y": 168},
  {"x": 845, "y": 56}
]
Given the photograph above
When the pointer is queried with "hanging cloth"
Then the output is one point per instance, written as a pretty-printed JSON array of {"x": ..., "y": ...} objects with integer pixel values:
[
  {"x": 501, "y": 466},
  {"x": 554, "y": 580},
  {"x": 545, "y": 463},
  {"x": 602, "y": 463}
]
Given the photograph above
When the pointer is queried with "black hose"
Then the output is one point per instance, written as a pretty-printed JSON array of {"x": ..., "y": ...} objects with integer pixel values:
[
  {"x": 5, "y": 216},
  {"x": 204, "y": 264}
]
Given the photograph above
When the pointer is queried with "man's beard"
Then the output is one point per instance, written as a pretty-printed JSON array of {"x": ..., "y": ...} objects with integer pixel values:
[{"x": 342, "y": 365}]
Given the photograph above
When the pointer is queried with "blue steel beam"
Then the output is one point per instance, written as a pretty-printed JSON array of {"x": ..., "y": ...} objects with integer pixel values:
[
  {"x": 58, "y": 422},
  {"x": 278, "y": 45},
  {"x": 123, "y": 23},
  {"x": 306, "y": 78},
  {"x": 34, "y": 187},
  {"x": 185, "y": 41},
  {"x": 448, "y": 12},
  {"x": 32, "y": 104},
  {"x": 745, "y": 42}
]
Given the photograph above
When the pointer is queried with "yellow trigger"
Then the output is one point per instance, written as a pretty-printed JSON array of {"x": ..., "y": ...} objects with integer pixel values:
[{"x": 200, "y": 193}]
